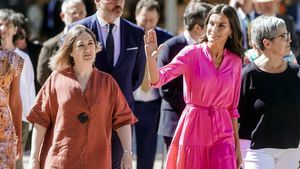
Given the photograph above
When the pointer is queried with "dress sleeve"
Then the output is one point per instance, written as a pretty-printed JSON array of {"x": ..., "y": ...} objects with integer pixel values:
[
  {"x": 175, "y": 68},
  {"x": 233, "y": 109},
  {"x": 40, "y": 112},
  {"x": 122, "y": 113}
]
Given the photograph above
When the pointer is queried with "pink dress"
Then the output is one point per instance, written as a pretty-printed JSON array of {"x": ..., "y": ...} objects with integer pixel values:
[{"x": 204, "y": 138}]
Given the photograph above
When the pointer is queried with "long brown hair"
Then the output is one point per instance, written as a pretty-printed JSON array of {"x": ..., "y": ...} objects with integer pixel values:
[
  {"x": 62, "y": 59},
  {"x": 234, "y": 43}
]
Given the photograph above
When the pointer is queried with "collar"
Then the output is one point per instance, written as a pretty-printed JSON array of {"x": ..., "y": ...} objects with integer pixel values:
[
  {"x": 66, "y": 29},
  {"x": 189, "y": 38},
  {"x": 103, "y": 23}
]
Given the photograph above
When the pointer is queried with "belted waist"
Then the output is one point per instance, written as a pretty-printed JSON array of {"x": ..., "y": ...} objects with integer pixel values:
[{"x": 207, "y": 107}]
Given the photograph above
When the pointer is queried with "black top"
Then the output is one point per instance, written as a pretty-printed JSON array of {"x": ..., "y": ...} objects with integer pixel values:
[{"x": 270, "y": 107}]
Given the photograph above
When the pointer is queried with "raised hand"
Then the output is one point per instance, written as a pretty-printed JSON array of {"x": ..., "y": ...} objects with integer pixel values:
[
  {"x": 150, "y": 41},
  {"x": 152, "y": 52}
]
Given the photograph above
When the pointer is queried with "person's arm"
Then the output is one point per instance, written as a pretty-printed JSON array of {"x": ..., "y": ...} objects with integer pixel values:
[
  {"x": 15, "y": 105},
  {"x": 43, "y": 70},
  {"x": 172, "y": 91},
  {"x": 38, "y": 134},
  {"x": 152, "y": 52},
  {"x": 124, "y": 134},
  {"x": 239, "y": 159}
]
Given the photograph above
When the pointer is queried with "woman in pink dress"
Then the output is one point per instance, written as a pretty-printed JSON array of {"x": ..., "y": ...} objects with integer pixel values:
[{"x": 206, "y": 136}]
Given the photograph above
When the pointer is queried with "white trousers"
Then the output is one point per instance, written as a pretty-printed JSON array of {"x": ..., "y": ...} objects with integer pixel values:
[{"x": 272, "y": 158}]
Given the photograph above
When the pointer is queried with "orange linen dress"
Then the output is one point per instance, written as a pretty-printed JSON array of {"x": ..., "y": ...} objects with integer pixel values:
[
  {"x": 68, "y": 143},
  {"x": 10, "y": 66}
]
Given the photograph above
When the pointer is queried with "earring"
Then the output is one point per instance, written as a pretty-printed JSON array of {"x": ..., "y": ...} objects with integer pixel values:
[{"x": 230, "y": 36}]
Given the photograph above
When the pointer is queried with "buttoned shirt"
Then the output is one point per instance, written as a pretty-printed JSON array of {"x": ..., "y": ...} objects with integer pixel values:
[
  {"x": 188, "y": 38},
  {"x": 116, "y": 34}
]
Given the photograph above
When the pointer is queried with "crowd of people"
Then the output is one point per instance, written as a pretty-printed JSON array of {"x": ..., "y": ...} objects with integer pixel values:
[{"x": 223, "y": 94}]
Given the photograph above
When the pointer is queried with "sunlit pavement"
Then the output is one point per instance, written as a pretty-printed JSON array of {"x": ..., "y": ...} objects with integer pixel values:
[{"x": 160, "y": 154}]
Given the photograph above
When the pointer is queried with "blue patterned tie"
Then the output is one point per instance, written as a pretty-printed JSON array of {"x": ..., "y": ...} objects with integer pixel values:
[{"x": 110, "y": 48}]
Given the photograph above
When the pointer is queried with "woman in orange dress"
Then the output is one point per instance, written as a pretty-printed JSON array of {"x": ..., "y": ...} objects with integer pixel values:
[
  {"x": 10, "y": 108},
  {"x": 76, "y": 110}
]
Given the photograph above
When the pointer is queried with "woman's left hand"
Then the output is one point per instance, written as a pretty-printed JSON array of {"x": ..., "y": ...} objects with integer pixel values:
[
  {"x": 239, "y": 158},
  {"x": 126, "y": 162},
  {"x": 19, "y": 150}
]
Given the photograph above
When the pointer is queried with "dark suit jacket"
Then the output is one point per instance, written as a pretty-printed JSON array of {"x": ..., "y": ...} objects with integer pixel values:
[
  {"x": 292, "y": 11},
  {"x": 58, "y": 23},
  {"x": 130, "y": 67},
  {"x": 172, "y": 92},
  {"x": 33, "y": 50},
  {"x": 162, "y": 35},
  {"x": 49, "y": 49}
]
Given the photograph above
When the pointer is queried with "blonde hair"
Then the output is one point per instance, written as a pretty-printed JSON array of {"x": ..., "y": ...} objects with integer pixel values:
[{"x": 62, "y": 59}]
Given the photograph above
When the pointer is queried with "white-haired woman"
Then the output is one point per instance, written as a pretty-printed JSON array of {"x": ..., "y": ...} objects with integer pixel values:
[{"x": 269, "y": 102}]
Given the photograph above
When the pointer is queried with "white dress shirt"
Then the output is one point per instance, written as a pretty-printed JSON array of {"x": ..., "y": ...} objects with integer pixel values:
[
  {"x": 116, "y": 34},
  {"x": 27, "y": 87},
  {"x": 188, "y": 38}
]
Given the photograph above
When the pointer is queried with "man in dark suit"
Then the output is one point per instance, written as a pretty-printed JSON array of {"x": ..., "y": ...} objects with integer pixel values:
[
  {"x": 147, "y": 99},
  {"x": 52, "y": 23},
  {"x": 172, "y": 93},
  {"x": 123, "y": 55},
  {"x": 294, "y": 11},
  {"x": 71, "y": 11}
]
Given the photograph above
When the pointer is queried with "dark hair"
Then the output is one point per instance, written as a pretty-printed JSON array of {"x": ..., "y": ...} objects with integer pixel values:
[
  {"x": 214, "y": 2},
  {"x": 21, "y": 22},
  {"x": 234, "y": 43},
  {"x": 148, "y": 4},
  {"x": 195, "y": 13}
]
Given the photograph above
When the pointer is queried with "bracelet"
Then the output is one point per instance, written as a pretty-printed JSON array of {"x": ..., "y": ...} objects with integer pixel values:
[{"x": 128, "y": 151}]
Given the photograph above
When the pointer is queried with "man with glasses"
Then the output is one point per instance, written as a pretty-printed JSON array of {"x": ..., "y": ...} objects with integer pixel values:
[{"x": 71, "y": 11}]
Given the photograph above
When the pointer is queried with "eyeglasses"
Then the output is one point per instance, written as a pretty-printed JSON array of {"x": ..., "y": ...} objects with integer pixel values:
[{"x": 284, "y": 36}]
